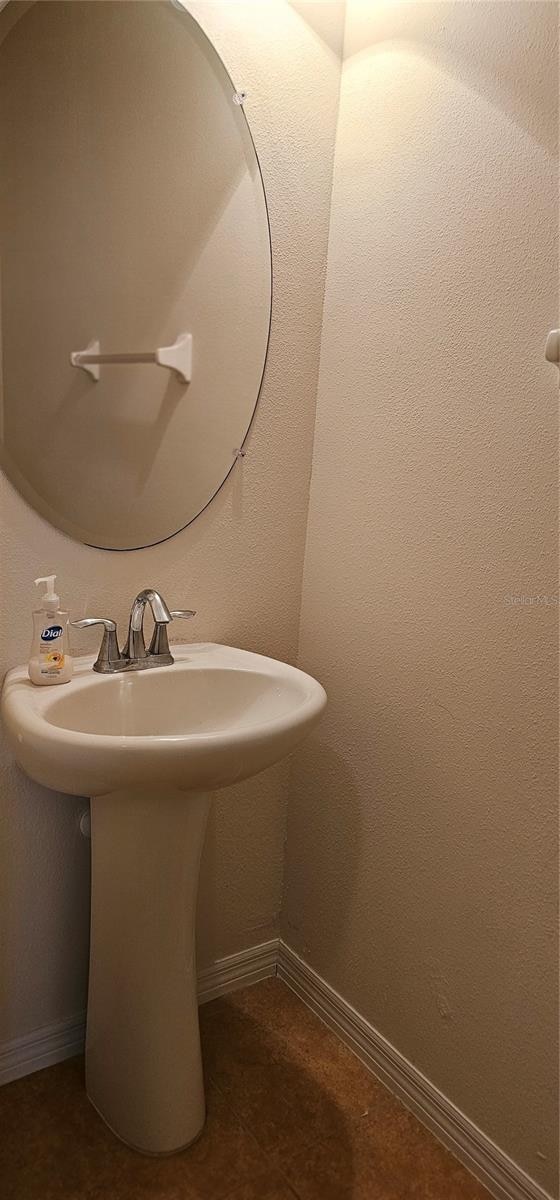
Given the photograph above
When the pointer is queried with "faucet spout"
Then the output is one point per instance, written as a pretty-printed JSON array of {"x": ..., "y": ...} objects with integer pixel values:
[
  {"x": 135, "y": 647},
  {"x": 161, "y": 613}
]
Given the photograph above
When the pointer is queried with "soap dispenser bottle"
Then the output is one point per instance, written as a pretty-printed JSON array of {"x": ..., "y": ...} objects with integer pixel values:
[{"x": 50, "y": 660}]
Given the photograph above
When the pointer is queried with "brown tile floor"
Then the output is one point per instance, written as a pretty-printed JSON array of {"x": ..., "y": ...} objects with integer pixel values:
[{"x": 291, "y": 1113}]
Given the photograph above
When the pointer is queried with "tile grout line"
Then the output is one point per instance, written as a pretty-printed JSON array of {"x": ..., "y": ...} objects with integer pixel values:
[
  {"x": 274, "y": 1167},
  {"x": 314, "y": 1142},
  {"x": 247, "y": 1129}
]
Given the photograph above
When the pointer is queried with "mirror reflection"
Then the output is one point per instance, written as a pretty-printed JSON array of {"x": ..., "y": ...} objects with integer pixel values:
[{"x": 132, "y": 220}]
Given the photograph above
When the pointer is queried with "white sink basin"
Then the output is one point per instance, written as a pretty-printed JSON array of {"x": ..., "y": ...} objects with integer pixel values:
[
  {"x": 149, "y": 747},
  {"x": 216, "y": 716}
]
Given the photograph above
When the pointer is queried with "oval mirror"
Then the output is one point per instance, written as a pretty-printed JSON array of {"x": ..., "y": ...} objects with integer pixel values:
[{"x": 135, "y": 267}]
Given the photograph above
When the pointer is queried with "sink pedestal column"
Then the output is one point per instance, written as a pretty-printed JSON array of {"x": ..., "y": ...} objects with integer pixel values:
[{"x": 143, "y": 1061}]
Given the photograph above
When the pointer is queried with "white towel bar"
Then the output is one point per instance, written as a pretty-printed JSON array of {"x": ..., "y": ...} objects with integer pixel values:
[{"x": 177, "y": 357}]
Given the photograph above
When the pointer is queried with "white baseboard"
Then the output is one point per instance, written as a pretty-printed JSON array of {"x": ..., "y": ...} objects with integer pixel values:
[
  {"x": 503, "y": 1178},
  {"x": 53, "y": 1043},
  {"x": 499, "y": 1174},
  {"x": 42, "y": 1048},
  {"x": 238, "y": 970}
]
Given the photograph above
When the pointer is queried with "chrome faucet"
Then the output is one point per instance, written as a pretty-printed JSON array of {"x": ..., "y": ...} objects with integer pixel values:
[
  {"x": 135, "y": 647},
  {"x": 134, "y": 656}
]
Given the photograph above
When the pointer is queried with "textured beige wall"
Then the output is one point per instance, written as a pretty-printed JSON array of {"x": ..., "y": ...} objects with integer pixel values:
[
  {"x": 239, "y": 564},
  {"x": 421, "y": 871}
]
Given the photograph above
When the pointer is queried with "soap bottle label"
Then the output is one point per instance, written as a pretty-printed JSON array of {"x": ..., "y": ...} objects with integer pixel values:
[{"x": 51, "y": 650}]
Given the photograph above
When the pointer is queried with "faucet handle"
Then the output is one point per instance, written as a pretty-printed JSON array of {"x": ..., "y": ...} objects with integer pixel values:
[
  {"x": 159, "y": 644},
  {"x": 109, "y": 625},
  {"x": 109, "y": 653}
]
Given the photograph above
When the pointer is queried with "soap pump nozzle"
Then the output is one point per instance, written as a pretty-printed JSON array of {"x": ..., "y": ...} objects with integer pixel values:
[{"x": 50, "y": 598}]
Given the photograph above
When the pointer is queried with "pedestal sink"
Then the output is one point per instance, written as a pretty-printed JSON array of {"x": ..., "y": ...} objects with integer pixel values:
[{"x": 149, "y": 748}]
